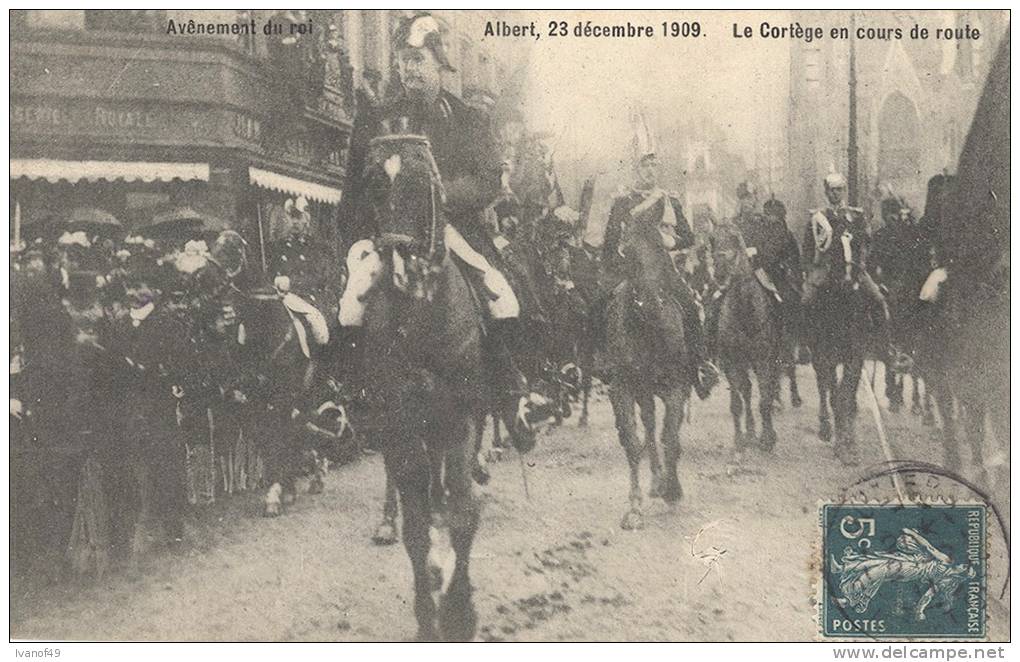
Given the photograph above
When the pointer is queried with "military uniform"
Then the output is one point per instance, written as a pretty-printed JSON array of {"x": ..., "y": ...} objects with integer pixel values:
[
  {"x": 466, "y": 153},
  {"x": 775, "y": 258},
  {"x": 836, "y": 246},
  {"x": 655, "y": 277}
]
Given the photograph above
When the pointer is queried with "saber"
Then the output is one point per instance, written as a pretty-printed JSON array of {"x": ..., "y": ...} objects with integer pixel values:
[{"x": 886, "y": 449}]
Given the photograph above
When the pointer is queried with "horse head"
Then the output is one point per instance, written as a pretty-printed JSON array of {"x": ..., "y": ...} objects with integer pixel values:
[
  {"x": 729, "y": 253},
  {"x": 405, "y": 199}
]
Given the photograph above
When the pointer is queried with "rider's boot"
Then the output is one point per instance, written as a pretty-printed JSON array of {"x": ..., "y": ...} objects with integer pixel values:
[
  {"x": 509, "y": 356},
  {"x": 704, "y": 374}
]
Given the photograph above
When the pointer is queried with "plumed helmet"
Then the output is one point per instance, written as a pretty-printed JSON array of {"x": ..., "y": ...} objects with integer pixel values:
[
  {"x": 644, "y": 141},
  {"x": 835, "y": 180},
  {"x": 423, "y": 31}
]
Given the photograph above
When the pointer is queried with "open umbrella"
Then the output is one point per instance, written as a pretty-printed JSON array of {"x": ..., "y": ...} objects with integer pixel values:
[
  {"x": 182, "y": 220},
  {"x": 93, "y": 220}
]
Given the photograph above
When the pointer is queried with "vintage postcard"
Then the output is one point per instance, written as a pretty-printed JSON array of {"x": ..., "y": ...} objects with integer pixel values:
[{"x": 380, "y": 325}]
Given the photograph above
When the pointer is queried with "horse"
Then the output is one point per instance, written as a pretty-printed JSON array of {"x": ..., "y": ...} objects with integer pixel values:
[
  {"x": 749, "y": 339},
  {"x": 641, "y": 370},
  {"x": 281, "y": 336},
  {"x": 838, "y": 332},
  {"x": 970, "y": 342},
  {"x": 423, "y": 334}
]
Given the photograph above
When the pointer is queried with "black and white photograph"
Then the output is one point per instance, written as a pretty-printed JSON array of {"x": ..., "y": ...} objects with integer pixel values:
[{"x": 521, "y": 325}]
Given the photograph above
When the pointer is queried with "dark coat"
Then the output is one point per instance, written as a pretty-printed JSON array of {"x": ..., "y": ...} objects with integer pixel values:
[{"x": 466, "y": 153}]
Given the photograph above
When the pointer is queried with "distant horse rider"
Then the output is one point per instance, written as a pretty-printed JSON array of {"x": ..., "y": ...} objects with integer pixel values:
[
  {"x": 836, "y": 244},
  {"x": 646, "y": 205},
  {"x": 773, "y": 252}
]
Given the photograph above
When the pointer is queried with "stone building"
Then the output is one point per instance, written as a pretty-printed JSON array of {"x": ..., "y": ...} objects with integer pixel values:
[
  {"x": 223, "y": 114},
  {"x": 915, "y": 101}
]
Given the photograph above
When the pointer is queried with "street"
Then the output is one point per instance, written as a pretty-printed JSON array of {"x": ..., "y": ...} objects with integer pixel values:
[{"x": 732, "y": 563}]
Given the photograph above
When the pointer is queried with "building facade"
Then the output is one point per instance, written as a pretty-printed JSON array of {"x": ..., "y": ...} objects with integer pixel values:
[
  {"x": 915, "y": 102},
  {"x": 223, "y": 114}
]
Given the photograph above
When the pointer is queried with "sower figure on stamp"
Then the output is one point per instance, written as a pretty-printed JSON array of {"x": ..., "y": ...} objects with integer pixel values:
[
  {"x": 468, "y": 161},
  {"x": 646, "y": 204}
]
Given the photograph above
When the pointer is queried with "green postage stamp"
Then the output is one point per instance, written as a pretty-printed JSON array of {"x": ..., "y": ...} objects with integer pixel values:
[{"x": 903, "y": 571}]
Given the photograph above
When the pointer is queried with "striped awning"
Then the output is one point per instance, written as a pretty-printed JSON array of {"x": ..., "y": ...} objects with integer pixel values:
[
  {"x": 54, "y": 171},
  {"x": 274, "y": 181}
]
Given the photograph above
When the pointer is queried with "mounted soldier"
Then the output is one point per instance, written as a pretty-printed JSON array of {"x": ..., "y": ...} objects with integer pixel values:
[
  {"x": 773, "y": 251},
  {"x": 837, "y": 241},
  {"x": 646, "y": 206},
  {"x": 468, "y": 160}
]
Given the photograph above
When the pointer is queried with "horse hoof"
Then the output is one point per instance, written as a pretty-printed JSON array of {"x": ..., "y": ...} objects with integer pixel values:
[
  {"x": 272, "y": 509},
  {"x": 288, "y": 498},
  {"x": 426, "y": 635},
  {"x": 655, "y": 491},
  {"x": 916, "y": 409},
  {"x": 633, "y": 521},
  {"x": 825, "y": 431},
  {"x": 316, "y": 486},
  {"x": 494, "y": 455},
  {"x": 385, "y": 535},
  {"x": 458, "y": 620},
  {"x": 583, "y": 421},
  {"x": 894, "y": 407},
  {"x": 435, "y": 577},
  {"x": 795, "y": 401},
  {"x": 480, "y": 474},
  {"x": 929, "y": 419},
  {"x": 673, "y": 494},
  {"x": 847, "y": 456},
  {"x": 767, "y": 442}
]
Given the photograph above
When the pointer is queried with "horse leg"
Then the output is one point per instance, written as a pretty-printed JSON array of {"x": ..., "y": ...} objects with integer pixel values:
[
  {"x": 480, "y": 465},
  {"x": 944, "y": 401},
  {"x": 929, "y": 414},
  {"x": 916, "y": 406},
  {"x": 746, "y": 388},
  {"x": 736, "y": 408},
  {"x": 646, "y": 408},
  {"x": 623, "y": 404},
  {"x": 845, "y": 410},
  {"x": 673, "y": 402},
  {"x": 275, "y": 450},
  {"x": 976, "y": 438},
  {"x": 409, "y": 468},
  {"x": 791, "y": 374},
  {"x": 457, "y": 618},
  {"x": 585, "y": 394},
  {"x": 768, "y": 391},
  {"x": 892, "y": 385},
  {"x": 386, "y": 532},
  {"x": 824, "y": 376}
]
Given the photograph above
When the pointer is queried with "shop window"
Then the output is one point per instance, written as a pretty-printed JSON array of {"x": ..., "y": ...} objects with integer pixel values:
[{"x": 126, "y": 20}]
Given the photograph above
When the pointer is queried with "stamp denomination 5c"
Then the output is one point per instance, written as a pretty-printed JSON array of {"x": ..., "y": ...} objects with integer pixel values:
[{"x": 903, "y": 571}]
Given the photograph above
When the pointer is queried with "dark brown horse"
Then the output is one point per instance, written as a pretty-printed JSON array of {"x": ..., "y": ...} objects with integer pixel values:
[
  {"x": 749, "y": 339},
  {"x": 423, "y": 340},
  {"x": 641, "y": 369},
  {"x": 838, "y": 334}
]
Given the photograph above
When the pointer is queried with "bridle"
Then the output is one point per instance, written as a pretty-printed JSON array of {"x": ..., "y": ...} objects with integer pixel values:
[{"x": 415, "y": 261}]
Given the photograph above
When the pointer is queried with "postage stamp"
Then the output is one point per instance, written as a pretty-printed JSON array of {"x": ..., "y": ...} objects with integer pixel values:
[{"x": 904, "y": 570}]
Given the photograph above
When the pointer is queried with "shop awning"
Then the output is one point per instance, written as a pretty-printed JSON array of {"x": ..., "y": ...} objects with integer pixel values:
[
  {"x": 274, "y": 181},
  {"x": 129, "y": 171}
]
